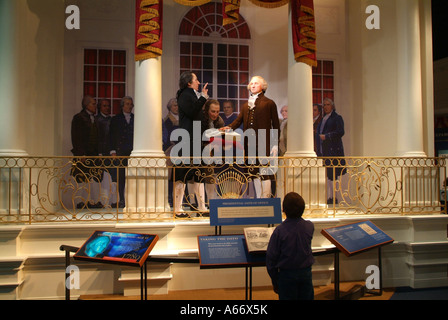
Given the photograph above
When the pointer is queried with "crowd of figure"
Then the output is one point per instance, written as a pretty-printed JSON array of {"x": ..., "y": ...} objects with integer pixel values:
[{"x": 95, "y": 132}]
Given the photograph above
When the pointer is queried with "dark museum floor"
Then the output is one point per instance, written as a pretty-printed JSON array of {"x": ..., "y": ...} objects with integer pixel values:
[{"x": 258, "y": 293}]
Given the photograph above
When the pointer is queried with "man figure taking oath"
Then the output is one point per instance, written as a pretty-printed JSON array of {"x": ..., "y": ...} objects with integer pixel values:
[{"x": 260, "y": 114}]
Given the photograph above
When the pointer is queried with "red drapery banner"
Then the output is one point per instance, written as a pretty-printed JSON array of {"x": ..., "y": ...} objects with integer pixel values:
[
  {"x": 148, "y": 29},
  {"x": 230, "y": 11},
  {"x": 303, "y": 31}
]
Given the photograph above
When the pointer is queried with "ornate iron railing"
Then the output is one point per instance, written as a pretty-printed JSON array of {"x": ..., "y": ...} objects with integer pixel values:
[{"x": 67, "y": 189}]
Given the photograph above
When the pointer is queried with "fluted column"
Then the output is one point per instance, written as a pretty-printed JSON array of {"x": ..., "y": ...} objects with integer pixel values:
[
  {"x": 300, "y": 142},
  {"x": 410, "y": 113},
  {"x": 148, "y": 108},
  {"x": 12, "y": 141},
  {"x": 146, "y": 184},
  {"x": 300, "y": 105}
]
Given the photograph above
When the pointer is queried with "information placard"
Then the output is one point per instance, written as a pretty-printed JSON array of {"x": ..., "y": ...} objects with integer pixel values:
[
  {"x": 226, "y": 251},
  {"x": 356, "y": 237},
  {"x": 245, "y": 211},
  {"x": 117, "y": 247}
]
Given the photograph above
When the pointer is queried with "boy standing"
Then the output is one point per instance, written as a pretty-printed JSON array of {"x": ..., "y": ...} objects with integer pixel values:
[{"x": 289, "y": 256}]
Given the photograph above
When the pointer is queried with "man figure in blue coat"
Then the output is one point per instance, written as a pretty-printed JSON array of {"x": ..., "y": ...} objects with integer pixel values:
[{"x": 331, "y": 131}]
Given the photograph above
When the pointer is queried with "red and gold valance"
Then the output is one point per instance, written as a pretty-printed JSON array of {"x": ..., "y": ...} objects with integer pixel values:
[
  {"x": 148, "y": 29},
  {"x": 149, "y": 25}
]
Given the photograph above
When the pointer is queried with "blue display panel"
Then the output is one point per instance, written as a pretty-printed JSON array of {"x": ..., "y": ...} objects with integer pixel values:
[
  {"x": 117, "y": 247},
  {"x": 226, "y": 251},
  {"x": 245, "y": 211},
  {"x": 356, "y": 237}
]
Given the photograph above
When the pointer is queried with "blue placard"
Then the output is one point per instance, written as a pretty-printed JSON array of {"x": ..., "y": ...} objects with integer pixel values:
[
  {"x": 245, "y": 211},
  {"x": 226, "y": 251},
  {"x": 117, "y": 247},
  {"x": 356, "y": 237}
]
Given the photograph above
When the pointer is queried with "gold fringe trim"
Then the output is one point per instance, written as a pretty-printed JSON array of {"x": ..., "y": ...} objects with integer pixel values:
[
  {"x": 192, "y": 3},
  {"x": 263, "y": 4},
  {"x": 145, "y": 17},
  {"x": 151, "y": 26},
  {"x": 148, "y": 3},
  {"x": 148, "y": 55},
  {"x": 301, "y": 58}
]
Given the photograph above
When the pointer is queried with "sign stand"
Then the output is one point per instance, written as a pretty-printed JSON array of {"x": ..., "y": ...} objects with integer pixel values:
[
  {"x": 129, "y": 249},
  {"x": 353, "y": 239}
]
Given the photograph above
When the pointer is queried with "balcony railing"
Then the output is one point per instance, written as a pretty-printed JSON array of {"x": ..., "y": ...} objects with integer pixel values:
[{"x": 66, "y": 189}]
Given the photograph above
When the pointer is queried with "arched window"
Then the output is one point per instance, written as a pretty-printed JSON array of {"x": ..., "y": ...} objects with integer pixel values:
[{"x": 219, "y": 55}]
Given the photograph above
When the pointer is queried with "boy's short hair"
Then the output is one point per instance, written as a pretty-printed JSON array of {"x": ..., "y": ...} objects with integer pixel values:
[{"x": 293, "y": 205}]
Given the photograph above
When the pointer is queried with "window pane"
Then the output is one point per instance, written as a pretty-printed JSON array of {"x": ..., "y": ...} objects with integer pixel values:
[
  {"x": 222, "y": 50},
  {"x": 105, "y": 57},
  {"x": 244, "y": 78},
  {"x": 208, "y": 62},
  {"x": 119, "y": 91},
  {"x": 328, "y": 67},
  {"x": 104, "y": 73},
  {"x": 233, "y": 50},
  {"x": 222, "y": 64},
  {"x": 104, "y": 90},
  {"x": 119, "y": 74},
  {"x": 196, "y": 62},
  {"x": 328, "y": 82},
  {"x": 233, "y": 77},
  {"x": 233, "y": 64},
  {"x": 244, "y": 65},
  {"x": 208, "y": 77},
  {"x": 185, "y": 62},
  {"x": 244, "y": 51},
  {"x": 317, "y": 82},
  {"x": 120, "y": 58},
  {"x": 244, "y": 93},
  {"x": 233, "y": 92},
  {"x": 222, "y": 77},
  {"x": 90, "y": 89},
  {"x": 222, "y": 91},
  {"x": 184, "y": 48},
  {"x": 90, "y": 56},
  {"x": 208, "y": 49},
  {"x": 196, "y": 48},
  {"x": 90, "y": 73}
]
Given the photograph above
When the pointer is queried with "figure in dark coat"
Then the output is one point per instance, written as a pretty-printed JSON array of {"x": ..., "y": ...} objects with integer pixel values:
[
  {"x": 331, "y": 131},
  {"x": 260, "y": 114},
  {"x": 122, "y": 144}
]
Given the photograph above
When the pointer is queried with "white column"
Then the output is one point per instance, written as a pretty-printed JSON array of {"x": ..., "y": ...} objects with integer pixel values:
[
  {"x": 300, "y": 143},
  {"x": 146, "y": 184},
  {"x": 148, "y": 108},
  {"x": 11, "y": 132},
  {"x": 300, "y": 105},
  {"x": 410, "y": 113}
]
